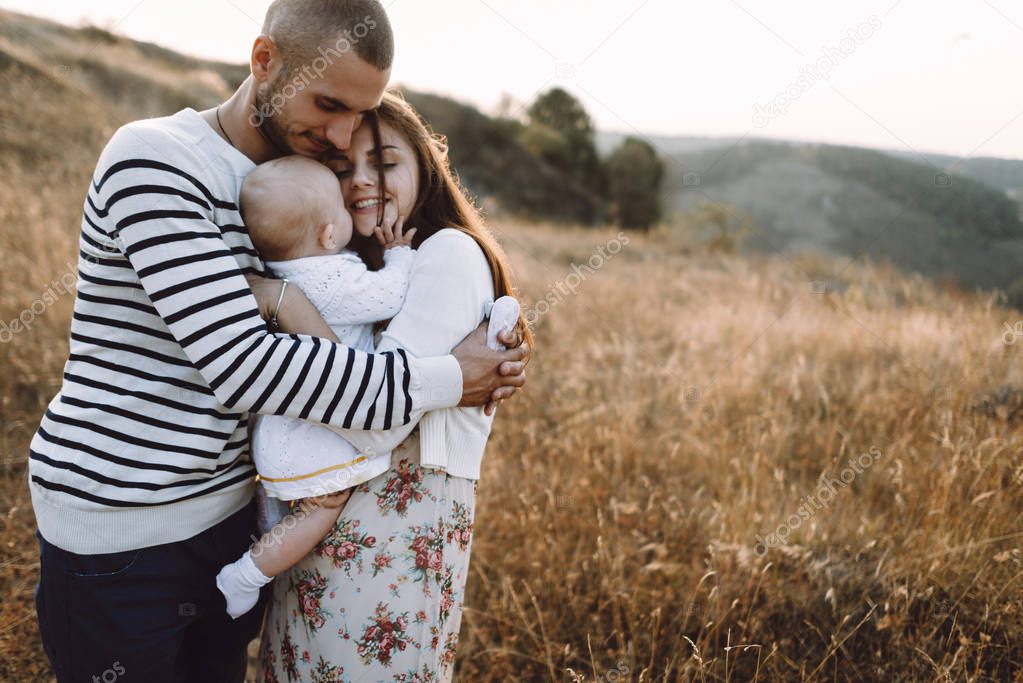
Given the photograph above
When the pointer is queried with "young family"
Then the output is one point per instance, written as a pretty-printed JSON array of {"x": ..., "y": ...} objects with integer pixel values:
[{"x": 313, "y": 200}]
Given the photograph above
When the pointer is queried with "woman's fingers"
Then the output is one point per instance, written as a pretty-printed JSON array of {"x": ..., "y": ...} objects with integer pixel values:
[
  {"x": 380, "y": 235},
  {"x": 409, "y": 235}
]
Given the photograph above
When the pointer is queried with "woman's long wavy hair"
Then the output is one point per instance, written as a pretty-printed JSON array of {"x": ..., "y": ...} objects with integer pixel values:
[{"x": 442, "y": 202}]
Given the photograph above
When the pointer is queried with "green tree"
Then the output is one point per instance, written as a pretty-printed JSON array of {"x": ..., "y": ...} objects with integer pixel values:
[
  {"x": 561, "y": 133},
  {"x": 635, "y": 173}
]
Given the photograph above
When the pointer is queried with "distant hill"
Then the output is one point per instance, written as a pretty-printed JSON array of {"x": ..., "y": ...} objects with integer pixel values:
[
  {"x": 943, "y": 217},
  {"x": 1005, "y": 174}
]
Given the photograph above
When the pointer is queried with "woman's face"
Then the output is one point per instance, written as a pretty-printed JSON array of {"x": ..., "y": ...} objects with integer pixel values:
[{"x": 357, "y": 169}]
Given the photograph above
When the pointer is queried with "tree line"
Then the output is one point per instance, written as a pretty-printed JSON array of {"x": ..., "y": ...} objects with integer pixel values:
[{"x": 626, "y": 184}]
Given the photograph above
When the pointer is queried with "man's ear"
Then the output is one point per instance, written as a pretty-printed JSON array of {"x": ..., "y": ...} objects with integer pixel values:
[
  {"x": 265, "y": 58},
  {"x": 328, "y": 236}
]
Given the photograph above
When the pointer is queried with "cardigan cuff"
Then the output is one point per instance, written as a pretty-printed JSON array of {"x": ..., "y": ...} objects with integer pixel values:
[{"x": 432, "y": 444}]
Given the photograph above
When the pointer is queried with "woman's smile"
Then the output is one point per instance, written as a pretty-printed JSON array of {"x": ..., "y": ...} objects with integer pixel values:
[{"x": 366, "y": 205}]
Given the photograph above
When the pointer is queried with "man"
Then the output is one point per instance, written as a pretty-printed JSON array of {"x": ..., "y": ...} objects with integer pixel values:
[{"x": 139, "y": 472}]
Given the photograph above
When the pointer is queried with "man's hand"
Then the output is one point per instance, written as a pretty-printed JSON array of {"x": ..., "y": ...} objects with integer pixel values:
[{"x": 490, "y": 376}]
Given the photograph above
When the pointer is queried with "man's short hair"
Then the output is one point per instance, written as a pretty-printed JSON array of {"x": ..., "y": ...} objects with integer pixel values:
[{"x": 306, "y": 29}]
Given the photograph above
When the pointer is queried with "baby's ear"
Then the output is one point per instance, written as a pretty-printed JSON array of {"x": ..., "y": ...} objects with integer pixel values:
[{"x": 328, "y": 236}]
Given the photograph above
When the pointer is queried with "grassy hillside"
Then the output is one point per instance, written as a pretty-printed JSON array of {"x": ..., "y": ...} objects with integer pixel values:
[
  {"x": 117, "y": 79},
  {"x": 1006, "y": 174},
  {"x": 852, "y": 202},
  {"x": 683, "y": 404}
]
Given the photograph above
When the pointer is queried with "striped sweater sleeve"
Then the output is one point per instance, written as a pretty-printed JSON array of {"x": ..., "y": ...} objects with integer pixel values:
[{"x": 160, "y": 214}]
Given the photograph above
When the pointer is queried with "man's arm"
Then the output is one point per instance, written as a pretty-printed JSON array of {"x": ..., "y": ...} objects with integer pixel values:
[
  {"x": 159, "y": 213},
  {"x": 488, "y": 376}
]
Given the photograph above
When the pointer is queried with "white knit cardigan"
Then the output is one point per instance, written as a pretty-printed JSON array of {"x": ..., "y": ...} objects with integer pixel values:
[{"x": 450, "y": 292}]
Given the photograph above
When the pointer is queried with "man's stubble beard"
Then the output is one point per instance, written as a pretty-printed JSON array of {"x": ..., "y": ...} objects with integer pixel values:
[{"x": 271, "y": 126}]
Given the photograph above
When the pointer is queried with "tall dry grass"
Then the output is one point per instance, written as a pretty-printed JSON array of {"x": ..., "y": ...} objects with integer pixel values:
[{"x": 682, "y": 404}]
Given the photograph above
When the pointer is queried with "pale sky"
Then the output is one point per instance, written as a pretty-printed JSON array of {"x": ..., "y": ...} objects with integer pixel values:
[{"x": 923, "y": 75}]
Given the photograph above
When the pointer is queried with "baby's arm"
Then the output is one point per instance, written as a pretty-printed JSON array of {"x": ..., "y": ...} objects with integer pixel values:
[{"x": 358, "y": 295}]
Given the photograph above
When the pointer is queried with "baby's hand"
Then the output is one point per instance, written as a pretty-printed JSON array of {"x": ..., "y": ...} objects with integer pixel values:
[{"x": 391, "y": 236}]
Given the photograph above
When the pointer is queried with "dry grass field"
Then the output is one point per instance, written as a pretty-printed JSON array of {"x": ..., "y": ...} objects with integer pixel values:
[
  {"x": 724, "y": 468},
  {"x": 683, "y": 404}
]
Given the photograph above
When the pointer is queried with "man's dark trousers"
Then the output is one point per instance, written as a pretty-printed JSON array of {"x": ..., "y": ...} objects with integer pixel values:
[{"x": 152, "y": 615}]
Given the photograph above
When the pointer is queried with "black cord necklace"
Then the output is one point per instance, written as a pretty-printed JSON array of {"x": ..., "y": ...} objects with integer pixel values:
[{"x": 222, "y": 129}]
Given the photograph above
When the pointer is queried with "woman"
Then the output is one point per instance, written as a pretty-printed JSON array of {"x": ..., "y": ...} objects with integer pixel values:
[{"x": 380, "y": 598}]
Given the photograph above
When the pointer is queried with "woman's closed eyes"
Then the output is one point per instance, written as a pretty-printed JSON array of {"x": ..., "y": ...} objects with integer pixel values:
[{"x": 345, "y": 172}]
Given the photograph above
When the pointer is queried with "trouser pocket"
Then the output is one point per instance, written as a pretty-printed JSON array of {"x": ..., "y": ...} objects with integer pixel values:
[{"x": 96, "y": 621}]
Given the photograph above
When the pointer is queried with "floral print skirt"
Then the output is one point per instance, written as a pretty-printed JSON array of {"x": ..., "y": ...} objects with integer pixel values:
[{"x": 380, "y": 598}]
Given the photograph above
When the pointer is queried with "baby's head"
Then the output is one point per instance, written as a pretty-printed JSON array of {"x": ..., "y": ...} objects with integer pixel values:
[{"x": 293, "y": 208}]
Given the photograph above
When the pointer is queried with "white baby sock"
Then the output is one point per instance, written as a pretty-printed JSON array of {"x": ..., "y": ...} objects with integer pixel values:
[
  {"x": 504, "y": 313},
  {"x": 240, "y": 582}
]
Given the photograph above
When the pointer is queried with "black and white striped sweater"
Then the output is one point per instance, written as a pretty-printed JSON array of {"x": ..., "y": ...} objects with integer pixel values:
[{"x": 147, "y": 443}]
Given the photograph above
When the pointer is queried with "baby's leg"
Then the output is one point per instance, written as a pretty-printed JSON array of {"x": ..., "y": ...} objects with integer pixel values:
[{"x": 279, "y": 549}]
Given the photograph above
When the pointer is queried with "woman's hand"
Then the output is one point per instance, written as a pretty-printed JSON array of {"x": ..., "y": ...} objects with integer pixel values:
[{"x": 391, "y": 236}]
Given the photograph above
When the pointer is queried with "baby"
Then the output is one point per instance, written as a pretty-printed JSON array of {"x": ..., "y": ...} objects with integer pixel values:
[{"x": 296, "y": 218}]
